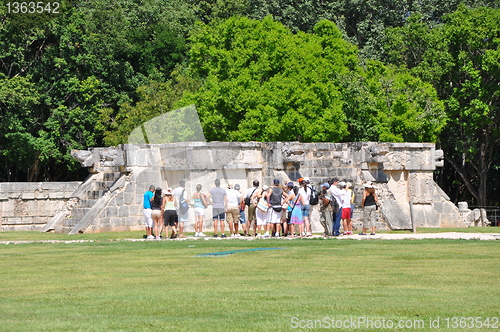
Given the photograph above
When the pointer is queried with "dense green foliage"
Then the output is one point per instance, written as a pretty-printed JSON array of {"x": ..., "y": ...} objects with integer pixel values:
[
  {"x": 461, "y": 58},
  {"x": 256, "y": 70},
  {"x": 261, "y": 82}
]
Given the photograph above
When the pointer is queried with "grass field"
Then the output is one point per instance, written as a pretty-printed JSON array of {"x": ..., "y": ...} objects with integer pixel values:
[{"x": 114, "y": 285}]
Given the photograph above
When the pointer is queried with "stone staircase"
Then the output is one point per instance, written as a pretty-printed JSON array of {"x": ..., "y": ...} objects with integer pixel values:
[{"x": 95, "y": 188}]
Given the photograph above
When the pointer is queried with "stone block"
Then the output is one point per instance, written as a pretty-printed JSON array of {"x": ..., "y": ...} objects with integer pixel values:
[
  {"x": 439, "y": 207},
  {"x": 28, "y": 195},
  {"x": 396, "y": 215},
  {"x": 123, "y": 211},
  {"x": 111, "y": 211},
  {"x": 118, "y": 200},
  {"x": 424, "y": 216},
  {"x": 128, "y": 198},
  {"x": 54, "y": 186},
  {"x": 57, "y": 195},
  {"x": 41, "y": 194}
]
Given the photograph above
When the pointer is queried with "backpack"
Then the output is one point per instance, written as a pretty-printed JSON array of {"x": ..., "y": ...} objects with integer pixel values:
[
  {"x": 313, "y": 200},
  {"x": 183, "y": 205},
  {"x": 335, "y": 205},
  {"x": 247, "y": 199}
]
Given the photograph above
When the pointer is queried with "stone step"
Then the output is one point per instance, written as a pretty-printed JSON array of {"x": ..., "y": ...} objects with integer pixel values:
[
  {"x": 70, "y": 222},
  {"x": 88, "y": 203},
  {"x": 95, "y": 194},
  {"x": 78, "y": 213},
  {"x": 111, "y": 176},
  {"x": 66, "y": 229}
]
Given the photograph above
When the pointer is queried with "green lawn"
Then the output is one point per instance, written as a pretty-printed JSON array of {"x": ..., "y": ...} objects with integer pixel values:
[{"x": 112, "y": 285}]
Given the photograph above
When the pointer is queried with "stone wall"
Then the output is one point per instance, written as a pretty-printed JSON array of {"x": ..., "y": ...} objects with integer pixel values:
[
  {"x": 111, "y": 198},
  {"x": 402, "y": 172},
  {"x": 28, "y": 206}
]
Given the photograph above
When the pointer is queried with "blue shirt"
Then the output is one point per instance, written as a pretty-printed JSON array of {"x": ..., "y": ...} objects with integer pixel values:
[{"x": 148, "y": 195}]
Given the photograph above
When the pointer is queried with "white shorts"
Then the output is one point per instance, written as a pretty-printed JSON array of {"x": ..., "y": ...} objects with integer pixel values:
[
  {"x": 261, "y": 218},
  {"x": 183, "y": 217},
  {"x": 273, "y": 216},
  {"x": 199, "y": 211},
  {"x": 147, "y": 217}
]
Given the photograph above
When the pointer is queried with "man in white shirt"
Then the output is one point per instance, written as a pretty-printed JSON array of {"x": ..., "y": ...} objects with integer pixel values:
[
  {"x": 180, "y": 194},
  {"x": 337, "y": 195},
  {"x": 233, "y": 210}
]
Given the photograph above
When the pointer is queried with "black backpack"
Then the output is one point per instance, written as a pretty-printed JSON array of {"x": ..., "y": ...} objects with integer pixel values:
[
  {"x": 313, "y": 200},
  {"x": 335, "y": 205},
  {"x": 247, "y": 199}
]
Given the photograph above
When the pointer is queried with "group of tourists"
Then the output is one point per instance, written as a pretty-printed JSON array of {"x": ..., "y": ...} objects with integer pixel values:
[{"x": 267, "y": 211}]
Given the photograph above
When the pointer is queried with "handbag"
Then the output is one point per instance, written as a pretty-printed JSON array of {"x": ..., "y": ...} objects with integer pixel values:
[
  {"x": 289, "y": 215},
  {"x": 262, "y": 205}
]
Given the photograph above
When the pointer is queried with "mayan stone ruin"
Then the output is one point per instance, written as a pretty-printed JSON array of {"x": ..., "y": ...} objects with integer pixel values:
[{"x": 111, "y": 197}]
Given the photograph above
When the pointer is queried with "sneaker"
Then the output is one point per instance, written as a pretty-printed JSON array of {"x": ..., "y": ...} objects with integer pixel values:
[
  {"x": 150, "y": 237},
  {"x": 276, "y": 234},
  {"x": 215, "y": 235},
  {"x": 372, "y": 233},
  {"x": 196, "y": 234},
  {"x": 362, "y": 234},
  {"x": 223, "y": 235},
  {"x": 237, "y": 235},
  {"x": 201, "y": 234},
  {"x": 233, "y": 235},
  {"x": 266, "y": 234},
  {"x": 308, "y": 234},
  {"x": 158, "y": 238}
]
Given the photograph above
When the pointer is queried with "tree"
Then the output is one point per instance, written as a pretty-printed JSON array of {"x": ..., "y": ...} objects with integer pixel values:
[
  {"x": 92, "y": 57},
  {"x": 387, "y": 103},
  {"x": 262, "y": 82},
  {"x": 362, "y": 22},
  {"x": 461, "y": 58},
  {"x": 155, "y": 99}
]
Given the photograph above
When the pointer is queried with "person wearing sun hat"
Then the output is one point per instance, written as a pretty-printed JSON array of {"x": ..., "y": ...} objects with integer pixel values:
[
  {"x": 170, "y": 217},
  {"x": 369, "y": 205}
]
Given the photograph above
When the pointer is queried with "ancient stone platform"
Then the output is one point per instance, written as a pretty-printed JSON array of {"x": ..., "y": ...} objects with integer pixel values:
[{"x": 111, "y": 198}]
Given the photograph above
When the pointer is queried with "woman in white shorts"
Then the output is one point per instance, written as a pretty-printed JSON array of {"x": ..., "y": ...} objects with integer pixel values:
[
  {"x": 261, "y": 213},
  {"x": 200, "y": 203}
]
